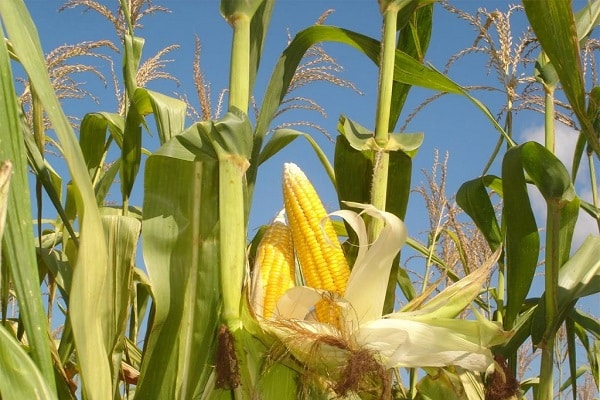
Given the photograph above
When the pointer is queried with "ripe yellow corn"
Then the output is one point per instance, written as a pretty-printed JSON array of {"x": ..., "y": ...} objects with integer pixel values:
[
  {"x": 275, "y": 264},
  {"x": 319, "y": 252}
]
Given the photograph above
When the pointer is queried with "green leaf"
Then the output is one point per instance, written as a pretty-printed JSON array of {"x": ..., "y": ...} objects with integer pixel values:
[
  {"x": 16, "y": 245},
  {"x": 577, "y": 278},
  {"x": 131, "y": 60},
  {"x": 586, "y": 19},
  {"x": 131, "y": 152},
  {"x": 521, "y": 330},
  {"x": 169, "y": 112},
  {"x": 283, "y": 137},
  {"x": 50, "y": 180},
  {"x": 362, "y": 139},
  {"x": 181, "y": 248},
  {"x": 122, "y": 235},
  {"x": 572, "y": 354},
  {"x": 440, "y": 384},
  {"x": 5, "y": 173},
  {"x": 474, "y": 199},
  {"x": 95, "y": 124},
  {"x": 353, "y": 171},
  {"x": 277, "y": 141},
  {"x": 258, "y": 33},
  {"x": 20, "y": 378},
  {"x": 413, "y": 40},
  {"x": 584, "y": 324},
  {"x": 232, "y": 134},
  {"x": 193, "y": 144},
  {"x": 278, "y": 382},
  {"x": 232, "y": 9},
  {"x": 552, "y": 180},
  {"x": 87, "y": 304},
  {"x": 92, "y": 139},
  {"x": 587, "y": 322},
  {"x": 554, "y": 25},
  {"x": 522, "y": 237},
  {"x": 407, "y": 70},
  {"x": 106, "y": 181}
]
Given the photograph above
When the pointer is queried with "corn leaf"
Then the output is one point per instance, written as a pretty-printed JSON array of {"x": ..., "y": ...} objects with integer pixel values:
[
  {"x": 473, "y": 198},
  {"x": 131, "y": 152},
  {"x": 131, "y": 61},
  {"x": 181, "y": 250},
  {"x": 577, "y": 278},
  {"x": 522, "y": 237},
  {"x": 88, "y": 303},
  {"x": 413, "y": 40},
  {"x": 440, "y": 384},
  {"x": 18, "y": 253},
  {"x": 282, "y": 137},
  {"x": 106, "y": 181},
  {"x": 553, "y": 23},
  {"x": 586, "y": 19},
  {"x": 5, "y": 173},
  {"x": 407, "y": 70},
  {"x": 51, "y": 181},
  {"x": 92, "y": 138},
  {"x": 169, "y": 112},
  {"x": 354, "y": 154},
  {"x": 587, "y": 322},
  {"x": 258, "y": 33},
  {"x": 19, "y": 376},
  {"x": 122, "y": 235}
]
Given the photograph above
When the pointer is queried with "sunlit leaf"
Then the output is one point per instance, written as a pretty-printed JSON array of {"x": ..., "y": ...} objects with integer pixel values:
[
  {"x": 88, "y": 303},
  {"x": 283, "y": 137},
  {"x": 181, "y": 249},
  {"x": 19, "y": 376},
  {"x": 169, "y": 112},
  {"x": 577, "y": 278},
  {"x": 16, "y": 246}
]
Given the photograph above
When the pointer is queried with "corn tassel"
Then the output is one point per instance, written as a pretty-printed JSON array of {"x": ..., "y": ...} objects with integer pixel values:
[
  {"x": 275, "y": 264},
  {"x": 319, "y": 252}
]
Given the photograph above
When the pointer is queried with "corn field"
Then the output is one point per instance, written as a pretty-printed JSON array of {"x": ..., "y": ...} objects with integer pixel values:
[{"x": 167, "y": 292}]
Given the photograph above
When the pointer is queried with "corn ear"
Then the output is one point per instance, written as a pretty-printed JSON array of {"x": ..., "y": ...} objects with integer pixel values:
[
  {"x": 319, "y": 252},
  {"x": 275, "y": 264}
]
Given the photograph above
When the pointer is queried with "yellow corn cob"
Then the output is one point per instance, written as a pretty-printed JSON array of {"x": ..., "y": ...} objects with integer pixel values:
[
  {"x": 275, "y": 264},
  {"x": 317, "y": 247}
]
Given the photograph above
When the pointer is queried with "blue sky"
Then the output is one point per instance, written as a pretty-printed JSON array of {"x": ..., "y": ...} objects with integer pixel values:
[{"x": 451, "y": 124}]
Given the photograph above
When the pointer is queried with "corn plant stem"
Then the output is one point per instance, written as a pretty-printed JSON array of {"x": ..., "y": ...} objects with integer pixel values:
[
  {"x": 501, "y": 282},
  {"x": 39, "y": 135},
  {"x": 384, "y": 97},
  {"x": 233, "y": 237},
  {"x": 232, "y": 170},
  {"x": 501, "y": 287},
  {"x": 239, "y": 74},
  {"x": 126, "y": 6},
  {"x": 413, "y": 380},
  {"x": 545, "y": 391},
  {"x": 546, "y": 385},
  {"x": 593, "y": 184},
  {"x": 232, "y": 245},
  {"x": 549, "y": 118}
]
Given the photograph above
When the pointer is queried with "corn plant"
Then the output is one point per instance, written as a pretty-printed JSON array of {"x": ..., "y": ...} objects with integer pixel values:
[{"x": 291, "y": 313}]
